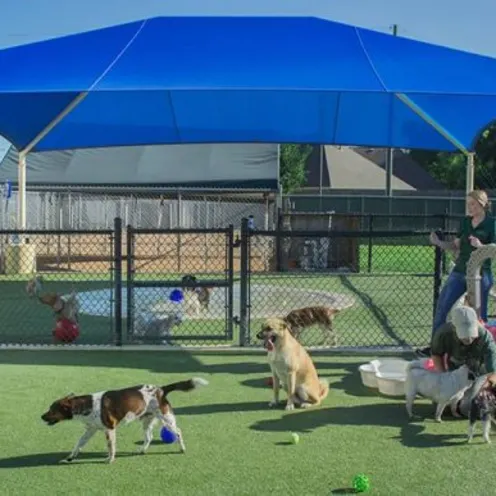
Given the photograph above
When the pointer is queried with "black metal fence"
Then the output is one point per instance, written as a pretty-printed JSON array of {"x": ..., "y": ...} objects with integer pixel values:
[
  {"x": 381, "y": 288},
  {"x": 425, "y": 205},
  {"x": 179, "y": 285},
  {"x": 371, "y": 222},
  {"x": 79, "y": 262},
  {"x": 215, "y": 286}
]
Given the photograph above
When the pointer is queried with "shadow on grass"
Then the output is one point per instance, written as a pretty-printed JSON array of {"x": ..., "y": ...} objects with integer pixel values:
[
  {"x": 154, "y": 361},
  {"x": 380, "y": 415},
  {"x": 347, "y": 374},
  {"x": 86, "y": 458},
  {"x": 254, "y": 406},
  {"x": 183, "y": 362},
  {"x": 376, "y": 311}
]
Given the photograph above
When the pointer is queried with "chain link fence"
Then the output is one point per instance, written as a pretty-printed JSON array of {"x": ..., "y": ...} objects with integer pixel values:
[
  {"x": 215, "y": 286},
  {"x": 179, "y": 286},
  {"x": 378, "y": 298},
  {"x": 79, "y": 210},
  {"x": 423, "y": 205},
  {"x": 68, "y": 263}
]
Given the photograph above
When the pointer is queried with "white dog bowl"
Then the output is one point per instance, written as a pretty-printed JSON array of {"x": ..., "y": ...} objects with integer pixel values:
[
  {"x": 392, "y": 365},
  {"x": 387, "y": 371},
  {"x": 391, "y": 384},
  {"x": 368, "y": 373}
]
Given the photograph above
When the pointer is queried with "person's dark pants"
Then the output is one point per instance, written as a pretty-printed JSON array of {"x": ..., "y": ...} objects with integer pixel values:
[{"x": 454, "y": 288}]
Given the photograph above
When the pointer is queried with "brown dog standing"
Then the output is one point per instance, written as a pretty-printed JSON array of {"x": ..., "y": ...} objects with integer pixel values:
[
  {"x": 67, "y": 308},
  {"x": 291, "y": 366}
]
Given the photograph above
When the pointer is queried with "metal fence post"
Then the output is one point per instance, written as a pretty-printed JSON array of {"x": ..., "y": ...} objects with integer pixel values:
[
  {"x": 129, "y": 280},
  {"x": 230, "y": 277},
  {"x": 445, "y": 229},
  {"x": 118, "y": 280},
  {"x": 278, "y": 243},
  {"x": 370, "y": 244},
  {"x": 438, "y": 274},
  {"x": 244, "y": 324}
]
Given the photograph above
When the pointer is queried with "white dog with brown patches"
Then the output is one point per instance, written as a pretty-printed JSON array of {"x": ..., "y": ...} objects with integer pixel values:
[{"x": 106, "y": 410}]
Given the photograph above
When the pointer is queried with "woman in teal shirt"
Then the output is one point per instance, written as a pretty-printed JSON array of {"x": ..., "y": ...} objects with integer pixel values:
[{"x": 475, "y": 230}]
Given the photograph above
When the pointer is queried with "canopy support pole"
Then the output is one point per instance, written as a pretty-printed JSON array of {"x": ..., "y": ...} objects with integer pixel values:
[
  {"x": 469, "y": 176},
  {"x": 21, "y": 171},
  {"x": 21, "y": 192},
  {"x": 470, "y": 156},
  {"x": 425, "y": 117}
]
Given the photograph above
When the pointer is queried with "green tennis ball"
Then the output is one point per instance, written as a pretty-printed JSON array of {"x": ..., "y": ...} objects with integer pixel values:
[
  {"x": 295, "y": 439},
  {"x": 361, "y": 483}
]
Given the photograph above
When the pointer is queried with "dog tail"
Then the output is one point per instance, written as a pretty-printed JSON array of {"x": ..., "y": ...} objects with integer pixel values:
[
  {"x": 324, "y": 388},
  {"x": 331, "y": 312},
  {"x": 34, "y": 286},
  {"x": 188, "y": 385}
]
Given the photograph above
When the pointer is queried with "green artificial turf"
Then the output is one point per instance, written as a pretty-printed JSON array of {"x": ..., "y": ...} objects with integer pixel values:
[{"x": 235, "y": 444}]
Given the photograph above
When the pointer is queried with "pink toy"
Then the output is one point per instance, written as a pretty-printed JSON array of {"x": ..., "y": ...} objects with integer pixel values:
[{"x": 429, "y": 364}]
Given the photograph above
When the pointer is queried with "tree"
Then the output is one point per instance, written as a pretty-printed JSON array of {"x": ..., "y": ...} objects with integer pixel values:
[
  {"x": 449, "y": 168},
  {"x": 293, "y": 163}
]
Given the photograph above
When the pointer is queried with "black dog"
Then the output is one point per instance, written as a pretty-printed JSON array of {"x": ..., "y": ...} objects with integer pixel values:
[{"x": 483, "y": 405}]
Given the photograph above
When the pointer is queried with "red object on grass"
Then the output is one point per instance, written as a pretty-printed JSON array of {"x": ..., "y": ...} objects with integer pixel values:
[
  {"x": 66, "y": 331},
  {"x": 270, "y": 382}
]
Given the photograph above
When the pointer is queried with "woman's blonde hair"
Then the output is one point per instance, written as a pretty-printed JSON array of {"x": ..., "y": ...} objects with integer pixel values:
[{"x": 480, "y": 196}]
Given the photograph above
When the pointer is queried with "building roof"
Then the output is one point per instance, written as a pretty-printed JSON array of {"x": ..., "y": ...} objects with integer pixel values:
[{"x": 365, "y": 169}]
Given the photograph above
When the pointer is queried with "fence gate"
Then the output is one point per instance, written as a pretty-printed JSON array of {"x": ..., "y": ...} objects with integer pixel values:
[{"x": 180, "y": 286}]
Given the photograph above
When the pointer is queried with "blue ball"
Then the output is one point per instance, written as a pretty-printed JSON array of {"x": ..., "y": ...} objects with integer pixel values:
[
  {"x": 176, "y": 296},
  {"x": 167, "y": 436}
]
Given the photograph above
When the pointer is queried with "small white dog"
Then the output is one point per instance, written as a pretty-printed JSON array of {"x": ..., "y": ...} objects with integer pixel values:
[{"x": 442, "y": 387}]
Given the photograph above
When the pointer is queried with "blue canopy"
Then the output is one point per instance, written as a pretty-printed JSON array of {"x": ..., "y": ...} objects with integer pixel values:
[{"x": 242, "y": 79}]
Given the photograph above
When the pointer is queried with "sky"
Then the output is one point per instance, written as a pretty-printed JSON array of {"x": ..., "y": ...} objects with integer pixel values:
[{"x": 462, "y": 24}]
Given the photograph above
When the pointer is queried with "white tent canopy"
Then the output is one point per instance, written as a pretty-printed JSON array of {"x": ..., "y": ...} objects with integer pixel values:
[{"x": 250, "y": 166}]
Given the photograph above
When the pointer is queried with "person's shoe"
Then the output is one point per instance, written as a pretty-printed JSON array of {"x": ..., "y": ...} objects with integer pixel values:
[{"x": 423, "y": 353}]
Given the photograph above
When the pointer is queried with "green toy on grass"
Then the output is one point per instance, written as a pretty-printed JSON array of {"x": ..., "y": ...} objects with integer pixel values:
[{"x": 361, "y": 483}]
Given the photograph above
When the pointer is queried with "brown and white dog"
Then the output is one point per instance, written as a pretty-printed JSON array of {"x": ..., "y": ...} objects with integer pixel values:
[
  {"x": 303, "y": 318},
  {"x": 291, "y": 366},
  {"x": 105, "y": 410},
  {"x": 196, "y": 299},
  {"x": 67, "y": 308}
]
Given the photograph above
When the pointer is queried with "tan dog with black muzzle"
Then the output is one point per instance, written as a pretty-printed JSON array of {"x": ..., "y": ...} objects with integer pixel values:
[{"x": 291, "y": 366}]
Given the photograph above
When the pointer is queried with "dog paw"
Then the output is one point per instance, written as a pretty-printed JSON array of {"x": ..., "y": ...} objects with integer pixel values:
[
  {"x": 141, "y": 451},
  {"x": 273, "y": 404},
  {"x": 438, "y": 420},
  {"x": 66, "y": 460},
  {"x": 110, "y": 459},
  {"x": 487, "y": 440},
  {"x": 289, "y": 407}
]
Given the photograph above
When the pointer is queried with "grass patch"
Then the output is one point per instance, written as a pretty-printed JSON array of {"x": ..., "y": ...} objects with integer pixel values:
[{"x": 235, "y": 444}]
